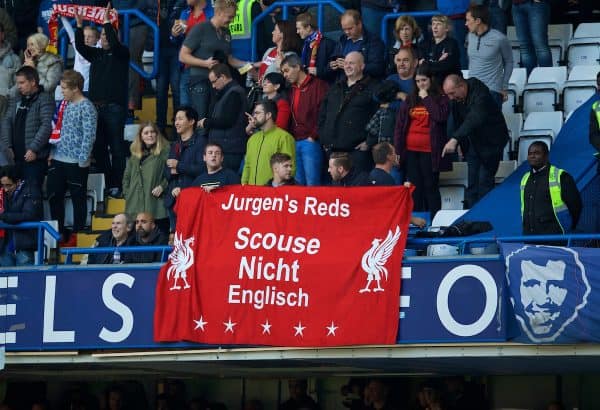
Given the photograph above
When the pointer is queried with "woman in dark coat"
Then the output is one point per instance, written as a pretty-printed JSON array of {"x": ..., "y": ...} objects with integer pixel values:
[{"x": 420, "y": 136}]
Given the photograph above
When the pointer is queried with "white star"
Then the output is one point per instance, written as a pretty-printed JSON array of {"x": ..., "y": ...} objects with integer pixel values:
[
  {"x": 229, "y": 325},
  {"x": 299, "y": 329},
  {"x": 266, "y": 327},
  {"x": 200, "y": 323},
  {"x": 331, "y": 329}
]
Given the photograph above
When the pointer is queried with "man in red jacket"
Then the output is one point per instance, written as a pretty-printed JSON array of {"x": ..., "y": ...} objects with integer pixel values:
[{"x": 305, "y": 101}]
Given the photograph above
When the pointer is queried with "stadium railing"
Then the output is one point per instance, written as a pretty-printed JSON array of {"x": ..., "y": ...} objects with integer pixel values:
[
  {"x": 464, "y": 242},
  {"x": 285, "y": 6},
  {"x": 69, "y": 252},
  {"x": 41, "y": 227},
  {"x": 127, "y": 14}
]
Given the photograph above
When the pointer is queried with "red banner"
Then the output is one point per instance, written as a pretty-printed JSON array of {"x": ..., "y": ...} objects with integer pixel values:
[
  {"x": 90, "y": 13},
  {"x": 288, "y": 266}
]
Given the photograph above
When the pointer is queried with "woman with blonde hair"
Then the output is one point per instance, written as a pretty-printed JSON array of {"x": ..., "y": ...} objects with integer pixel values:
[
  {"x": 143, "y": 180},
  {"x": 408, "y": 35},
  {"x": 49, "y": 66}
]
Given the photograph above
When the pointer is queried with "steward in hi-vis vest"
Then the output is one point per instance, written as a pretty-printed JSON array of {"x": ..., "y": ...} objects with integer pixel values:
[{"x": 550, "y": 201}]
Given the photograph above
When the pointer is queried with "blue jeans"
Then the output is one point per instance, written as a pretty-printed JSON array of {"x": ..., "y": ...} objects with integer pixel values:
[
  {"x": 168, "y": 74},
  {"x": 459, "y": 33},
  {"x": 481, "y": 177},
  {"x": 309, "y": 160},
  {"x": 109, "y": 134},
  {"x": 497, "y": 17},
  {"x": 199, "y": 92},
  {"x": 184, "y": 92},
  {"x": 18, "y": 258},
  {"x": 531, "y": 22}
]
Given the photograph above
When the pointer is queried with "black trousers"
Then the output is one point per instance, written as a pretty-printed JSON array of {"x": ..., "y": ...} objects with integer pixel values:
[
  {"x": 63, "y": 176},
  {"x": 419, "y": 172}
]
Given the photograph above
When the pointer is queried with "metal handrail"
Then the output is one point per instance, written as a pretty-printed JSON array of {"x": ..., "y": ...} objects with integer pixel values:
[
  {"x": 390, "y": 16},
  {"x": 285, "y": 5},
  {"x": 41, "y": 227},
  {"x": 463, "y": 241},
  {"x": 69, "y": 252},
  {"x": 126, "y": 13}
]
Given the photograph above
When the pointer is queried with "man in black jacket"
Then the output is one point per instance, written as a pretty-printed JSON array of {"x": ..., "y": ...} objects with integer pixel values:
[
  {"x": 345, "y": 112},
  {"x": 480, "y": 129},
  {"x": 146, "y": 234},
  {"x": 108, "y": 91},
  {"x": 550, "y": 200},
  {"x": 20, "y": 201},
  {"x": 226, "y": 123}
]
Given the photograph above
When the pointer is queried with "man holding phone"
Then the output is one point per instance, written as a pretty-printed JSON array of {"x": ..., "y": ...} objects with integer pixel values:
[{"x": 357, "y": 38}]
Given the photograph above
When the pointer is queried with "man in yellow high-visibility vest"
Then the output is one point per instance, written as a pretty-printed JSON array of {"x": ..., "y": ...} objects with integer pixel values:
[
  {"x": 595, "y": 120},
  {"x": 550, "y": 201}
]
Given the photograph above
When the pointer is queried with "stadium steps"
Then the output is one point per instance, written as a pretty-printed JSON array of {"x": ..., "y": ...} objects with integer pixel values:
[
  {"x": 148, "y": 111},
  {"x": 84, "y": 240},
  {"x": 115, "y": 206},
  {"x": 102, "y": 222}
]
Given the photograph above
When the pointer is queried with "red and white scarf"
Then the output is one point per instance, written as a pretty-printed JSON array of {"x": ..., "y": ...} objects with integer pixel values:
[
  {"x": 57, "y": 122},
  {"x": 90, "y": 13}
]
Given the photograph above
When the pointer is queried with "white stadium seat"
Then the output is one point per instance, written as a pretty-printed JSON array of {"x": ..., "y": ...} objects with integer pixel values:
[
  {"x": 447, "y": 217},
  {"x": 587, "y": 30},
  {"x": 580, "y": 86},
  {"x": 91, "y": 207},
  {"x": 543, "y": 121},
  {"x": 584, "y": 48},
  {"x": 453, "y": 196},
  {"x": 516, "y": 85},
  {"x": 543, "y": 88},
  {"x": 505, "y": 168},
  {"x": 511, "y": 33},
  {"x": 96, "y": 183},
  {"x": 559, "y": 36},
  {"x": 458, "y": 175},
  {"x": 514, "y": 122}
]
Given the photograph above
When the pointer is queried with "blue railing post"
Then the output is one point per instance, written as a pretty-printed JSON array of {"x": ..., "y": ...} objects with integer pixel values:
[
  {"x": 40, "y": 228},
  {"x": 69, "y": 252},
  {"x": 127, "y": 14}
]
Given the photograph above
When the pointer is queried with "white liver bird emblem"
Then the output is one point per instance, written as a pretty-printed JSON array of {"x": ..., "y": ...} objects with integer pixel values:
[
  {"x": 181, "y": 258},
  {"x": 374, "y": 260}
]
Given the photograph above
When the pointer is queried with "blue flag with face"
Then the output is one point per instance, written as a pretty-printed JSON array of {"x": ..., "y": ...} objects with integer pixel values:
[{"x": 554, "y": 292}]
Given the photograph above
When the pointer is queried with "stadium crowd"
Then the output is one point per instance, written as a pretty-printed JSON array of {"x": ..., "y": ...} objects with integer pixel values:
[{"x": 315, "y": 110}]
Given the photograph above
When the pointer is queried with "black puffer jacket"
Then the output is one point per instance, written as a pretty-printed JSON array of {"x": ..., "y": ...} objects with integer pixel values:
[
  {"x": 345, "y": 113},
  {"x": 24, "y": 205},
  {"x": 38, "y": 124}
]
